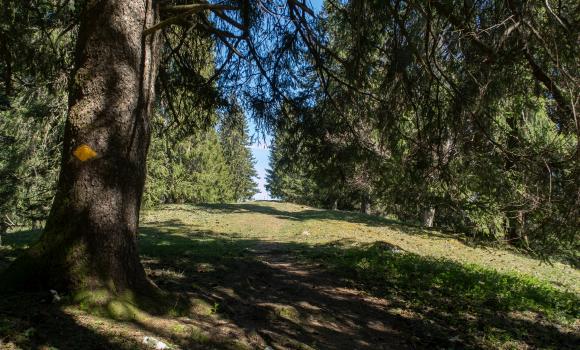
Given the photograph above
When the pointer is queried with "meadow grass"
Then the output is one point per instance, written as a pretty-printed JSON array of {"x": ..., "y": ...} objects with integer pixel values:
[{"x": 460, "y": 294}]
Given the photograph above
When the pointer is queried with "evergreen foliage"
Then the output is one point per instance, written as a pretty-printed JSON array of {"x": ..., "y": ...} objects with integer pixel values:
[
  {"x": 190, "y": 170},
  {"x": 287, "y": 180},
  {"x": 29, "y": 157},
  {"x": 36, "y": 49},
  {"x": 212, "y": 164},
  {"x": 469, "y": 132},
  {"x": 235, "y": 142}
]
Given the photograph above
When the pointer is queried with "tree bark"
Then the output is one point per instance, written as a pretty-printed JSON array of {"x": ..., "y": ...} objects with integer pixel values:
[
  {"x": 428, "y": 217},
  {"x": 515, "y": 216},
  {"x": 516, "y": 234},
  {"x": 365, "y": 206},
  {"x": 90, "y": 238}
]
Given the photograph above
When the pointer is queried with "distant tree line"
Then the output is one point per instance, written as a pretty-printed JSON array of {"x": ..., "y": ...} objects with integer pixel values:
[{"x": 214, "y": 165}]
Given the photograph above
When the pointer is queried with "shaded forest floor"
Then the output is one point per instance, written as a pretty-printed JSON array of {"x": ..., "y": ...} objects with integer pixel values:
[{"x": 267, "y": 275}]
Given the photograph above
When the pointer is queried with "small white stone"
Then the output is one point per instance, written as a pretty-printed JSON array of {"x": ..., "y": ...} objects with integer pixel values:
[
  {"x": 157, "y": 344},
  {"x": 55, "y": 297},
  {"x": 160, "y": 345}
]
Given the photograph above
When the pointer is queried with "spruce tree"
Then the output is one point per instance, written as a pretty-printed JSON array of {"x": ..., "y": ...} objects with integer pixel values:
[
  {"x": 235, "y": 142},
  {"x": 188, "y": 170},
  {"x": 288, "y": 177}
]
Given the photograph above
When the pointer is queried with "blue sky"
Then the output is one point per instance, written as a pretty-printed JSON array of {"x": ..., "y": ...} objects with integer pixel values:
[
  {"x": 261, "y": 149},
  {"x": 261, "y": 154}
]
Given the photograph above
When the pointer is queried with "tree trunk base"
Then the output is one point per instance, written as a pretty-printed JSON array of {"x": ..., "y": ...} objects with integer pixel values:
[
  {"x": 43, "y": 269},
  {"x": 68, "y": 267}
]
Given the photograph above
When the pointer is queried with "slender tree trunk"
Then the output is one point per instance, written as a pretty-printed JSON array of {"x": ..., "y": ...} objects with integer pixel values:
[
  {"x": 8, "y": 68},
  {"x": 365, "y": 206},
  {"x": 514, "y": 213},
  {"x": 428, "y": 217},
  {"x": 90, "y": 236},
  {"x": 516, "y": 230}
]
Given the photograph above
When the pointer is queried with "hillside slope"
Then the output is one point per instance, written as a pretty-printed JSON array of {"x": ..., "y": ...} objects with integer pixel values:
[
  {"x": 290, "y": 223},
  {"x": 276, "y": 275}
]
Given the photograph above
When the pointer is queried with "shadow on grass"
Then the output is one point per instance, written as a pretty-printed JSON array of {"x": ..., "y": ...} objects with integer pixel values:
[
  {"x": 21, "y": 238},
  {"x": 31, "y": 320},
  {"x": 28, "y": 321},
  {"x": 14, "y": 243},
  {"x": 292, "y": 296},
  {"x": 302, "y": 215},
  {"x": 429, "y": 302},
  {"x": 307, "y": 214}
]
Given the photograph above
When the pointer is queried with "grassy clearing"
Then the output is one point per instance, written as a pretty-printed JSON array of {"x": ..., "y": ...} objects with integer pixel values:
[
  {"x": 248, "y": 276},
  {"x": 300, "y": 225}
]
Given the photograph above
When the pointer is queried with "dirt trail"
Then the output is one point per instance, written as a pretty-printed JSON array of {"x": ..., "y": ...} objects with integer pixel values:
[{"x": 285, "y": 303}]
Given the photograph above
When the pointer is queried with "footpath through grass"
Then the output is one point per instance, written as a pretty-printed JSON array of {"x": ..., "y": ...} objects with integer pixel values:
[
  {"x": 259, "y": 274},
  {"x": 296, "y": 224}
]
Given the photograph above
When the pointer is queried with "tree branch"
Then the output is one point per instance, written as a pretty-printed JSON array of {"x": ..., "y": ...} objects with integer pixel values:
[
  {"x": 198, "y": 7},
  {"x": 187, "y": 11}
]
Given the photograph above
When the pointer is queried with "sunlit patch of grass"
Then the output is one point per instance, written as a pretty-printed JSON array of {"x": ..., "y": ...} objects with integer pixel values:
[
  {"x": 288, "y": 312},
  {"x": 199, "y": 336},
  {"x": 180, "y": 329},
  {"x": 102, "y": 302},
  {"x": 201, "y": 307}
]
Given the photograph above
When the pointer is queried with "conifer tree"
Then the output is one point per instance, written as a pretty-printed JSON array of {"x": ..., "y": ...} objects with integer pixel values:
[
  {"x": 288, "y": 177},
  {"x": 188, "y": 170},
  {"x": 235, "y": 142},
  {"x": 33, "y": 107}
]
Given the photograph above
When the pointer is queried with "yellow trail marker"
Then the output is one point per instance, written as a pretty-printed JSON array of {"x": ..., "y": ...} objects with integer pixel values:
[{"x": 84, "y": 153}]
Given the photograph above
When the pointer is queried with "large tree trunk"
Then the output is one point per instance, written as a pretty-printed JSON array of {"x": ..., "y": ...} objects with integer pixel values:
[{"x": 90, "y": 236}]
